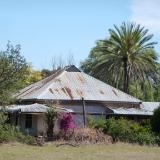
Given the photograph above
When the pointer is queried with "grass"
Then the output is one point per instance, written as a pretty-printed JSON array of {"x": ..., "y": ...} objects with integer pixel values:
[{"x": 117, "y": 151}]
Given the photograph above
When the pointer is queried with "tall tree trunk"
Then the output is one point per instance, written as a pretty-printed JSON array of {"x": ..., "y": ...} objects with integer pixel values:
[{"x": 126, "y": 76}]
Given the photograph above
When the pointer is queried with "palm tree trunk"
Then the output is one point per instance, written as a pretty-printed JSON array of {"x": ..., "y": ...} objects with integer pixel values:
[{"x": 126, "y": 76}]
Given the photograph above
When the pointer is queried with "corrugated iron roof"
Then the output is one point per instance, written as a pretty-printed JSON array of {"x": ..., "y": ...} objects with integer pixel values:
[
  {"x": 150, "y": 106},
  {"x": 33, "y": 108},
  {"x": 72, "y": 84},
  {"x": 146, "y": 108},
  {"x": 131, "y": 111}
]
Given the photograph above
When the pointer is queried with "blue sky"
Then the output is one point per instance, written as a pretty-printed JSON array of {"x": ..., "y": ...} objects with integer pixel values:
[{"x": 53, "y": 28}]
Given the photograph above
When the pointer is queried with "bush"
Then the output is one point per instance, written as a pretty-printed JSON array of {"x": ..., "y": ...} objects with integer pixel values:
[
  {"x": 127, "y": 131},
  {"x": 8, "y": 133},
  {"x": 67, "y": 123},
  {"x": 25, "y": 138},
  {"x": 155, "y": 121},
  {"x": 51, "y": 116},
  {"x": 98, "y": 124}
]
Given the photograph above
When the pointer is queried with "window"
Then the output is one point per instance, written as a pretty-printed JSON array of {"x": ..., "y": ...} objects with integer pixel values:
[{"x": 28, "y": 121}]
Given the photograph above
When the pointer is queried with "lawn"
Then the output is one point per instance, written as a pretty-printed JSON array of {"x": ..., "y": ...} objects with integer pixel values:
[{"x": 85, "y": 152}]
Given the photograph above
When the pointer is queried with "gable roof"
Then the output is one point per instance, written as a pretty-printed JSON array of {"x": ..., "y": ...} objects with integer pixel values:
[{"x": 72, "y": 84}]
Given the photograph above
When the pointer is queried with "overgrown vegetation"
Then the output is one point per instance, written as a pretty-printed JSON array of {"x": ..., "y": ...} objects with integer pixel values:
[
  {"x": 155, "y": 121},
  {"x": 9, "y": 133},
  {"x": 126, "y": 131},
  {"x": 67, "y": 123},
  {"x": 51, "y": 116},
  {"x": 13, "y": 71}
]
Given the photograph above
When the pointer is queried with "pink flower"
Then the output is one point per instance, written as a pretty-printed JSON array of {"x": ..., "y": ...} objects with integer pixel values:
[{"x": 67, "y": 122}]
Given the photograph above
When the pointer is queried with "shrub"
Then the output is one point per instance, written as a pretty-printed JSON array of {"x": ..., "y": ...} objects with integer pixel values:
[
  {"x": 67, "y": 123},
  {"x": 8, "y": 133},
  {"x": 51, "y": 116},
  {"x": 155, "y": 121},
  {"x": 3, "y": 117},
  {"x": 127, "y": 131},
  {"x": 97, "y": 123},
  {"x": 25, "y": 138}
]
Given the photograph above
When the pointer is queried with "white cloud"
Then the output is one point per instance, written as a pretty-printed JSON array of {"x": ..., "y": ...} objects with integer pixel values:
[{"x": 147, "y": 13}]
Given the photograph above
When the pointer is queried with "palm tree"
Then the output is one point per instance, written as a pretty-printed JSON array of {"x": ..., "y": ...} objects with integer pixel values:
[{"x": 128, "y": 54}]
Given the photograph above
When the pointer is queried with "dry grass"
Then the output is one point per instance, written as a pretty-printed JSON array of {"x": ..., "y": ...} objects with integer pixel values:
[{"x": 117, "y": 151}]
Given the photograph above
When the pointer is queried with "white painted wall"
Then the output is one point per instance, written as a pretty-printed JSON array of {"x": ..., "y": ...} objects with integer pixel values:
[{"x": 41, "y": 124}]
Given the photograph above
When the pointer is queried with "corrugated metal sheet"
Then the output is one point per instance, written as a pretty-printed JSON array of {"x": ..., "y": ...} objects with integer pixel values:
[
  {"x": 73, "y": 85},
  {"x": 146, "y": 108},
  {"x": 150, "y": 106},
  {"x": 33, "y": 108},
  {"x": 131, "y": 111}
]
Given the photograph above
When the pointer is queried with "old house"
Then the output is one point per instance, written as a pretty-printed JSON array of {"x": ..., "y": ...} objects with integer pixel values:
[{"x": 78, "y": 93}]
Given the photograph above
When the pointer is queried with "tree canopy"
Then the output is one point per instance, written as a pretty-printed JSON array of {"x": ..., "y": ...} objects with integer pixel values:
[
  {"x": 126, "y": 57},
  {"x": 13, "y": 71}
]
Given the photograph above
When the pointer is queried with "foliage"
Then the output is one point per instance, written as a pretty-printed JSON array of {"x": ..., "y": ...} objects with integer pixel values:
[
  {"x": 127, "y": 56},
  {"x": 51, "y": 116},
  {"x": 98, "y": 124},
  {"x": 13, "y": 71},
  {"x": 155, "y": 121},
  {"x": 67, "y": 122},
  {"x": 45, "y": 73},
  {"x": 3, "y": 118},
  {"x": 8, "y": 133},
  {"x": 127, "y": 131},
  {"x": 33, "y": 76}
]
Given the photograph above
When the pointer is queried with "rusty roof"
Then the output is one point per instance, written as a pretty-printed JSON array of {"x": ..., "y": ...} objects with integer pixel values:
[{"x": 72, "y": 84}]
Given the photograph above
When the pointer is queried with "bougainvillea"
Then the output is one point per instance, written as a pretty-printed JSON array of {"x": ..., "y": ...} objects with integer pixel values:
[{"x": 67, "y": 122}]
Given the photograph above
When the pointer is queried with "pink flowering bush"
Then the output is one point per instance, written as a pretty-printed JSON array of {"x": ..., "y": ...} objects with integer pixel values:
[{"x": 67, "y": 123}]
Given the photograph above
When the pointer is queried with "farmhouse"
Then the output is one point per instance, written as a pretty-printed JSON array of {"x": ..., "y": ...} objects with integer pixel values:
[{"x": 78, "y": 93}]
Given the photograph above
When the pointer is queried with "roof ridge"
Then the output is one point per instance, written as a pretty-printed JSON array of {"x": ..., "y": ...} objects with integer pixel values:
[
  {"x": 43, "y": 81},
  {"x": 72, "y": 68}
]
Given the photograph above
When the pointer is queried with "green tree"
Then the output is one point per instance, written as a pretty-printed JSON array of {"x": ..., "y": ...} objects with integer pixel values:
[
  {"x": 51, "y": 116},
  {"x": 155, "y": 121},
  {"x": 13, "y": 71},
  {"x": 46, "y": 73},
  {"x": 127, "y": 55},
  {"x": 33, "y": 76}
]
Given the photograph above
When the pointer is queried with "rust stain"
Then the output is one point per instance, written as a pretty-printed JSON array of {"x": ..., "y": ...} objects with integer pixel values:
[
  {"x": 80, "y": 93},
  {"x": 63, "y": 89},
  {"x": 114, "y": 92},
  {"x": 69, "y": 92},
  {"x": 81, "y": 79},
  {"x": 101, "y": 92},
  {"x": 57, "y": 90},
  {"x": 51, "y": 90}
]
